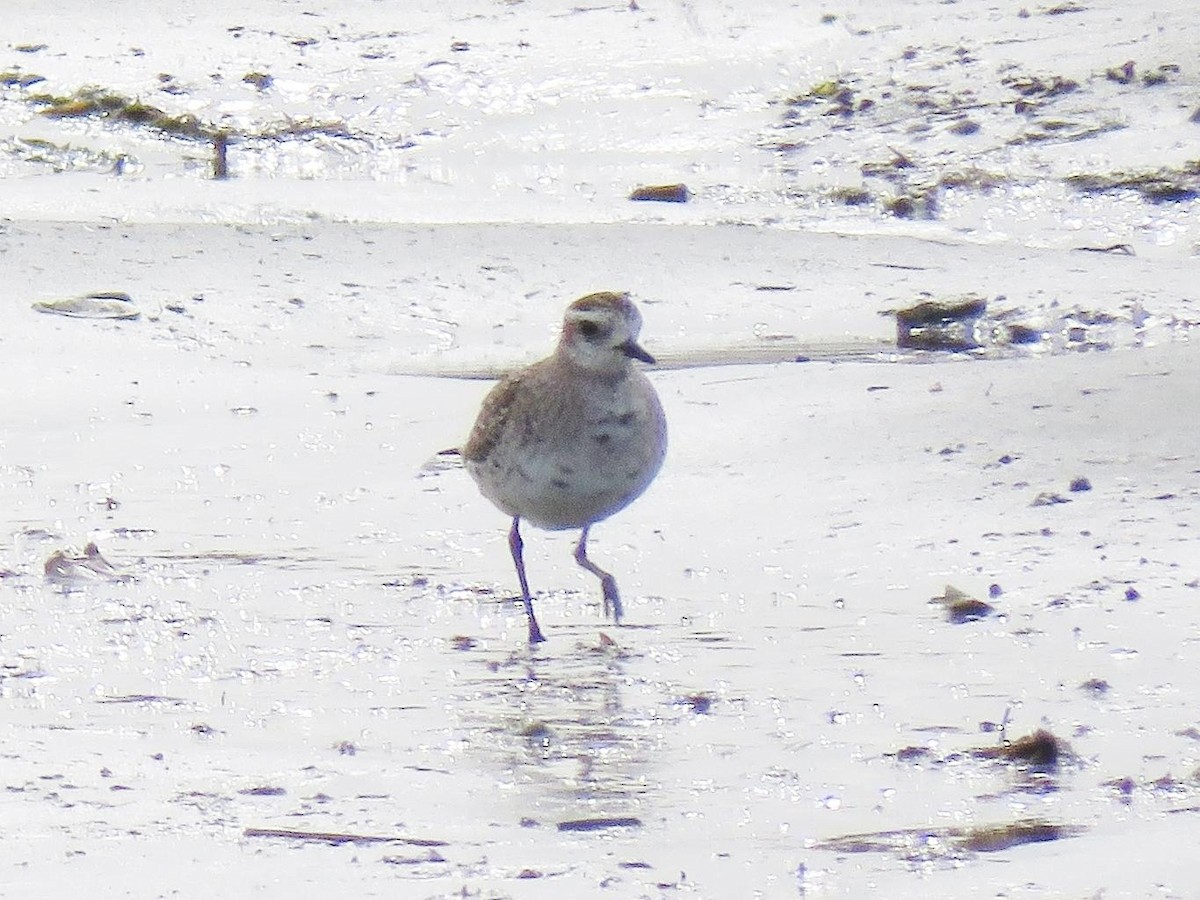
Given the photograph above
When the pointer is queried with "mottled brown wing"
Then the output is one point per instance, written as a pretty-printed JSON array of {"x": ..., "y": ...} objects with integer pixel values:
[{"x": 493, "y": 417}]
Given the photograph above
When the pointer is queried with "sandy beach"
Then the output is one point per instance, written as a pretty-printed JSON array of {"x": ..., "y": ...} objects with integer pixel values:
[{"x": 290, "y": 661}]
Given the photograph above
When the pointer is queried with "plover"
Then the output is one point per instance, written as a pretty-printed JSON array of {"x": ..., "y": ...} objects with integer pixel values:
[{"x": 570, "y": 440}]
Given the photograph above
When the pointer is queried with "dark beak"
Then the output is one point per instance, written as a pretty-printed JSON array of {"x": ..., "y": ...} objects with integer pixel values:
[{"x": 634, "y": 351}]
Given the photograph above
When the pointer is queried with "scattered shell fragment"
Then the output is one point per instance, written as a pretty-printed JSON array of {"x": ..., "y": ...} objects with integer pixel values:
[
  {"x": 98, "y": 305},
  {"x": 1049, "y": 498},
  {"x": 69, "y": 571}
]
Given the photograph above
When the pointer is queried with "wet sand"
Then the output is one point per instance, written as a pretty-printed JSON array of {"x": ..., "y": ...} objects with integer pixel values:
[{"x": 293, "y": 661}]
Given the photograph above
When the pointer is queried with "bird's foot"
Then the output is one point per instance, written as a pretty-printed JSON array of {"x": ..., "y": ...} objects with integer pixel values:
[{"x": 612, "y": 599}]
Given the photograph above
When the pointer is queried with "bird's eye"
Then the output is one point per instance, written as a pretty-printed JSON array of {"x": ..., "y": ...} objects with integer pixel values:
[{"x": 589, "y": 329}]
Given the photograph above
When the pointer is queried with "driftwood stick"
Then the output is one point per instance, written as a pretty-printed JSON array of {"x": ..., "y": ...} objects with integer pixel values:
[{"x": 333, "y": 837}]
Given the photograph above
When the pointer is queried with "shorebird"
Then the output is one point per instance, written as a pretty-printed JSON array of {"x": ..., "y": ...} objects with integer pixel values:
[{"x": 574, "y": 438}]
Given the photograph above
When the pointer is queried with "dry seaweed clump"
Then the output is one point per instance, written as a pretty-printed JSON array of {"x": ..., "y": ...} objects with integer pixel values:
[
  {"x": 922, "y": 844},
  {"x": 16, "y": 78},
  {"x": 1162, "y": 186},
  {"x": 109, "y": 106},
  {"x": 850, "y": 196},
  {"x": 1033, "y": 86},
  {"x": 1127, "y": 74},
  {"x": 100, "y": 103},
  {"x": 836, "y": 95}
]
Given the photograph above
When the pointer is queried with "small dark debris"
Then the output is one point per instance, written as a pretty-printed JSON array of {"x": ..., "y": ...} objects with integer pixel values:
[
  {"x": 142, "y": 698},
  {"x": 1003, "y": 837},
  {"x": 263, "y": 791},
  {"x": 600, "y": 824},
  {"x": 538, "y": 732},
  {"x": 336, "y": 838},
  {"x": 220, "y": 166},
  {"x": 700, "y": 704},
  {"x": 1041, "y": 750},
  {"x": 260, "y": 80},
  {"x": 968, "y": 610},
  {"x": 912, "y": 206},
  {"x": 1123, "y": 249},
  {"x": 1080, "y": 484},
  {"x": 203, "y": 729},
  {"x": 1168, "y": 784},
  {"x": 661, "y": 193},
  {"x": 940, "y": 324},
  {"x": 430, "y": 856},
  {"x": 896, "y": 163},
  {"x": 961, "y": 607},
  {"x": 1041, "y": 87},
  {"x": 346, "y": 748},
  {"x": 851, "y": 196},
  {"x": 913, "y": 754},
  {"x": 1065, "y": 8},
  {"x": 1023, "y": 334},
  {"x": 1123, "y": 786}
]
